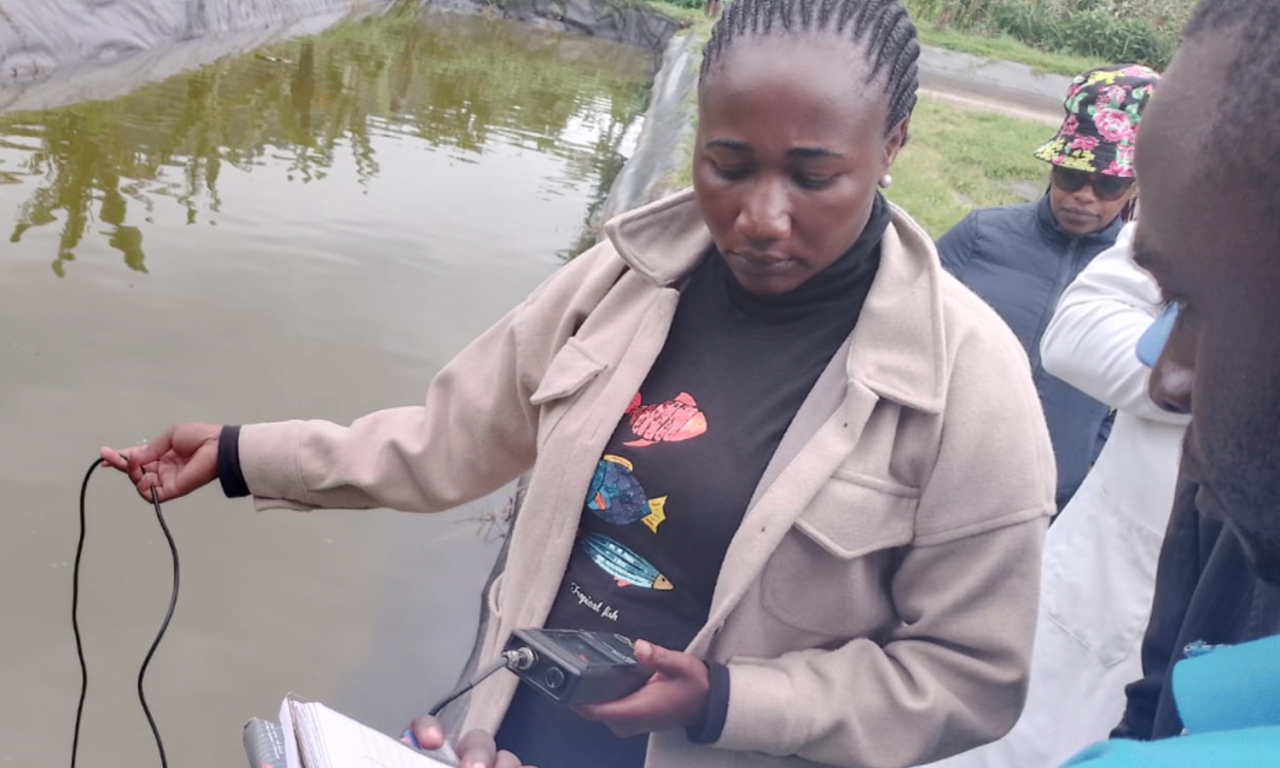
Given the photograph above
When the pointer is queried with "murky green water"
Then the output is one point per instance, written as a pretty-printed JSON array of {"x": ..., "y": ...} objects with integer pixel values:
[{"x": 312, "y": 231}]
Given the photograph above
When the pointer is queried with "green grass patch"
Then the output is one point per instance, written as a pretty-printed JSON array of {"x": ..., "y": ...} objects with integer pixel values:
[
  {"x": 960, "y": 159},
  {"x": 1005, "y": 48}
]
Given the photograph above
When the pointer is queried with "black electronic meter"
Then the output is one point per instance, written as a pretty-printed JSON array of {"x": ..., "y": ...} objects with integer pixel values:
[{"x": 573, "y": 666}]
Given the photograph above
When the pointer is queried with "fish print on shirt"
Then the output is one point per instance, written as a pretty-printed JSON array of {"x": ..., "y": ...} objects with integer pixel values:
[
  {"x": 666, "y": 422},
  {"x": 626, "y": 567},
  {"x": 617, "y": 497}
]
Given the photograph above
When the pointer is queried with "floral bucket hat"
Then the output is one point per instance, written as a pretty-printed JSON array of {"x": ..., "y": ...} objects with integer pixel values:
[{"x": 1104, "y": 107}]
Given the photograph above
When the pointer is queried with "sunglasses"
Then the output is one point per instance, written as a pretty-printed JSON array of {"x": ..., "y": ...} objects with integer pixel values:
[{"x": 1105, "y": 188}]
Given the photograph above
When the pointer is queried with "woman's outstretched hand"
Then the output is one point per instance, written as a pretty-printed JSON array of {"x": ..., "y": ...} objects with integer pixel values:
[
  {"x": 181, "y": 459},
  {"x": 475, "y": 750}
]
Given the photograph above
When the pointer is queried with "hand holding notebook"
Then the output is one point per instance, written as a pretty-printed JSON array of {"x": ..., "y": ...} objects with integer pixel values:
[{"x": 318, "y": 737}]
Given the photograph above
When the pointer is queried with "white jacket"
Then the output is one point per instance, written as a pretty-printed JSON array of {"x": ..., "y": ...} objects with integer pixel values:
[{"x": 1101, "y": 553}]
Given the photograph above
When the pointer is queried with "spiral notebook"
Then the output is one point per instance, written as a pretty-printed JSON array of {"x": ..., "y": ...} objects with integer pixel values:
[{"x": 318, "y": 737}]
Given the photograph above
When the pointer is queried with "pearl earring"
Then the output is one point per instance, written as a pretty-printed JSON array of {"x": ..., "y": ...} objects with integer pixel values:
[{"x": 886, "y": 181}]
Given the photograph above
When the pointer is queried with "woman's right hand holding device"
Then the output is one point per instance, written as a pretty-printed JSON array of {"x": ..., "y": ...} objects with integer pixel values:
[{"x": 179, "y": 460}]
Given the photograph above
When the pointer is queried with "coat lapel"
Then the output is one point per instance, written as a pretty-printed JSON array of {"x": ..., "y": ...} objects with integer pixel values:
[
  {"x": 777, "y": 508},
  {"x": 577, "y": 450}
]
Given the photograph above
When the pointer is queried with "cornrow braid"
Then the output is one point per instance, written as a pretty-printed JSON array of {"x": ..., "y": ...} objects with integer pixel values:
[{"x": 881, "y": 27}]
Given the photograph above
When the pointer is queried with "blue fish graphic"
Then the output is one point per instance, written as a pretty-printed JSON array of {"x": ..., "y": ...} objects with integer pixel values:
[
  {"x": 625, "y": 566},
  {"x": 617, "y": 497}
]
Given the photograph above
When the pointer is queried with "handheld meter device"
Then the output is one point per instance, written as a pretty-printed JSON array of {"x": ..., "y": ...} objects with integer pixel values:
[{"x": 574, "y": 666}]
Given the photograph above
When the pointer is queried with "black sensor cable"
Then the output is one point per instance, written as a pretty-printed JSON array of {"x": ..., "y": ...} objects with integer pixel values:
[
  {"x": 75, "y": 621},
  {"x": 520, "y": 658}
]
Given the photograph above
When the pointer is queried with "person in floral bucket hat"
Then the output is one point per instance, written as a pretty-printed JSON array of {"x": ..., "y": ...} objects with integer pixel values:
[
  {"x": 1020, "y": 258},
  {"x": 1104, "y": 108}
]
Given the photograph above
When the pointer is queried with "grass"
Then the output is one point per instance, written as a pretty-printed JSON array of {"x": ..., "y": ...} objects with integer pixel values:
[
  {"x": 1005, "y": 48},
  {"x": 958, "y": 159}
]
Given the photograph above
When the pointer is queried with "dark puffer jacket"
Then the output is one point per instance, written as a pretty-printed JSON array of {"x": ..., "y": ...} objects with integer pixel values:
[{"x": 1020, "y": 261}]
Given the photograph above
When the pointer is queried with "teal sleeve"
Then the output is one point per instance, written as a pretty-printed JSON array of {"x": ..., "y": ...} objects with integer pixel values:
[{"x": 1244, "y": 748}]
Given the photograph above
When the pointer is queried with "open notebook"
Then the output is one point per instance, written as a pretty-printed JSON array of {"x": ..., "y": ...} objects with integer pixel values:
[{"x": 317, "y": 737}]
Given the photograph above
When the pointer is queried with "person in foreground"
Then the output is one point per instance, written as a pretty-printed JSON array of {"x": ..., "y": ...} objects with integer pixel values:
[
  {"x": 1020, "y": 258},
  {"x": 1221, "y": 359},
  {"x": 767, "y": 437},
  {"x": 1205, "y": 593}
]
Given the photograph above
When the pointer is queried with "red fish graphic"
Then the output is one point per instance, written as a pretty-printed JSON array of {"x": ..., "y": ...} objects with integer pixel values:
[{"x": 668, "y": 422}]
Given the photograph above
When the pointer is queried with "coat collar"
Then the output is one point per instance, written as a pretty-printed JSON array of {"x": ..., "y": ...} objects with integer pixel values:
[{"x": 898, "y": 346}]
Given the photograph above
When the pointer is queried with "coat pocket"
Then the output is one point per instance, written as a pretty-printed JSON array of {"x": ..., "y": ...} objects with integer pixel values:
[
  {"x": 570, "y": 371},
  {"x": 1099, "y": 576},
  {"x": 829, "y": 572}
]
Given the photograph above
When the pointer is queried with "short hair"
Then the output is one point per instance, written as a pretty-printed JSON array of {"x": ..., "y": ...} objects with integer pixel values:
[
  {"x": 1248, "y": 109},
  {"x": 881, "y": 27}
]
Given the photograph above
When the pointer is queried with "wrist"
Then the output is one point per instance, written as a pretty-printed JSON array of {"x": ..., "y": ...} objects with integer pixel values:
[
  {"x": 715, "y": 705},
  {"x": 228, "y": 467}
]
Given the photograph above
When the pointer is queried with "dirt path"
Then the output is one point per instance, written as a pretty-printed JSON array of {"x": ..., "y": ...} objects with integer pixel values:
[{"x": 995, "y": 86}]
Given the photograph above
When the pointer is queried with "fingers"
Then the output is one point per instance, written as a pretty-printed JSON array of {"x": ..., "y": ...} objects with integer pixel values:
[
  {"x": 675, "y": 695},
  {"x": 144, "y": 474},
  {"x": 507, "y": 760},
  {"x": 112, "y": 458},
  {"x": 477, "y": 750},
  {"x": 180, "y": 460},
  {"x": 144, "y": 485},
  {"x": 145, "y": 455},
  {"x": 122, "y": 459},
  {"x": 637, "y": 705},
  {"x": 670, "y": 663},
  {"x": 428, "y": 732}
]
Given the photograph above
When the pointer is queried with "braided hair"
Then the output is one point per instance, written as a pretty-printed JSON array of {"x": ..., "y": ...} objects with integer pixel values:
[{"x": 881, "y": 27}]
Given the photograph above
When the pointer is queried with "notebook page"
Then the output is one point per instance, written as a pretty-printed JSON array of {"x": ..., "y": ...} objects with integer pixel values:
[
  {"x": 291, "y": 758},
  {"x": 328, "y": 739}
]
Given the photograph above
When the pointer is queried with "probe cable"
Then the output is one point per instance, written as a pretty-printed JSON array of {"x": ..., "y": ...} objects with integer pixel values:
[{"x": 75, "y": 621}]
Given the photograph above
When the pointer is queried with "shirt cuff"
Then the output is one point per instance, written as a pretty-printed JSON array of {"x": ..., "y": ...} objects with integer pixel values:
[
  {"x": 229, "y": 474},
  {"x": 717, "y": 706}
]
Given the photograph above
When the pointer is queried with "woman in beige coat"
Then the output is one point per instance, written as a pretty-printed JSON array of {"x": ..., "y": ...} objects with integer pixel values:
[{"x": 816, "y": 475}]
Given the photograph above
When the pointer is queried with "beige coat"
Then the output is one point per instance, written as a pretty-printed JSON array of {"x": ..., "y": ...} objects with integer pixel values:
[{"x": 877, "y": 605}]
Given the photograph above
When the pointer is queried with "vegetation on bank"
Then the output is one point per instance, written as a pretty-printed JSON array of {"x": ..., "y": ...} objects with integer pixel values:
[
  {"x": 1003, "y": 47},
  {"x": 1142, "y": 31},
  {"x": 1065, "y": 37},
  {"x": 688, "y": 12}
]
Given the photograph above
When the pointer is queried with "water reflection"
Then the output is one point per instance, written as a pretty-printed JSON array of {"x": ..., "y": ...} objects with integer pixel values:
[
  {"x": 461, "y": 84},
  {"x": 322, "y": 227}
]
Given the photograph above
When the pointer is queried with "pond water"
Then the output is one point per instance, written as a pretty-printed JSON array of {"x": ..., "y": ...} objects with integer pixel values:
[{"x": 311, "y": 230}]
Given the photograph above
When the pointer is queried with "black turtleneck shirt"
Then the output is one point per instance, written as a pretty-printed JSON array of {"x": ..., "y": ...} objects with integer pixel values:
[{"x": 678, "y": 473}]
